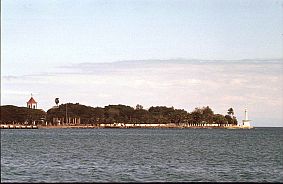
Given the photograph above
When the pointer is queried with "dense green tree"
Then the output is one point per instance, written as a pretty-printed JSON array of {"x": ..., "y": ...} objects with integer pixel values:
[
  {"x": 141, "y": 116},
  {"x": 231, "y": 120},
  {"x": 219, "y": 119},
  {"x": 196, "y": 116},
  {"x": 138, "y": 106},
  {"x": 118, "y": 114},
  {"x": 178, "y": 116},
  {"x": 14, "y": 114}
]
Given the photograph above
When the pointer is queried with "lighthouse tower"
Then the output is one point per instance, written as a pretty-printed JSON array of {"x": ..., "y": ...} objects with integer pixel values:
[{"x": 246, "y": 121}]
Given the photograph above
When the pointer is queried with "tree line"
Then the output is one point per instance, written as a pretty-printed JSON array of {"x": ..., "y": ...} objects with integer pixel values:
[
  {"x": 10, "y": 114},
  {"x": 118, "y": 114},
  {"x": 139, "y": 115}
]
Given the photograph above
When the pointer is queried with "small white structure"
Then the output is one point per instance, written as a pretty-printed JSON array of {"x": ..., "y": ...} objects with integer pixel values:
[{"x": 246, "y": 121}]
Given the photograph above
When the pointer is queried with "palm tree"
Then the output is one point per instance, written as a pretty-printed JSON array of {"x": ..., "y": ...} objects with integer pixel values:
[
  {"x": 57, "y": 101},
  {"x": 231, "y": 112}
]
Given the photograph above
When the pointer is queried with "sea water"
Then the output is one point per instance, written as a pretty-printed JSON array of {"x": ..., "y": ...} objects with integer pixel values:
[{"x": 141, "y": 155}]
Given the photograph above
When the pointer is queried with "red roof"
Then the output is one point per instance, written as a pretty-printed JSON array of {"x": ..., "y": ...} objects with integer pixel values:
[{"x": 31, "y": 101}]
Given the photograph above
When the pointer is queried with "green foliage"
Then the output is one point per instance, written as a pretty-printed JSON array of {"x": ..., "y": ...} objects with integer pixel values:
[
  {"x": 138, "y": 106},
  {"x": 118, "y": 114},
  {"x": 220, "y": 119},
  {"x": 231, "y": 111},
  {"x": 204, "y": 114},
  {"x": 231, "y": 120},
  {"x": 14, "y": 114}
]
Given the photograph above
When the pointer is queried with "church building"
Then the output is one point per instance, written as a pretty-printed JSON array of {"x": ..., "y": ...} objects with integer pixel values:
[{"x": 32, "y": 104}]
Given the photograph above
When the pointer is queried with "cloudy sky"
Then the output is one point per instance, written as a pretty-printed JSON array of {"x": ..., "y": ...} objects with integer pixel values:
[{"x": 184, "y": 54}]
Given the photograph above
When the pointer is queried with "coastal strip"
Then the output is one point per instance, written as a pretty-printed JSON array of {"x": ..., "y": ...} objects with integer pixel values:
[
  {"x": 19, "y": 127},
  {"x": 119, "y": 126}
]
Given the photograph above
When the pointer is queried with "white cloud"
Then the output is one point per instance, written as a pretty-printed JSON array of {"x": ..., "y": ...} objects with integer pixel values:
[{"x": 183, "y": 84}]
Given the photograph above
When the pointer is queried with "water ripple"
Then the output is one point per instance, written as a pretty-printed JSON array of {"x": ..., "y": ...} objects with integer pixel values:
[{"x": 140, "y": 155}]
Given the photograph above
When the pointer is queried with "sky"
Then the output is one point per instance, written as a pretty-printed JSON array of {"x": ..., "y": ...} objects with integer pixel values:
[{"x": 186, "y": 54}]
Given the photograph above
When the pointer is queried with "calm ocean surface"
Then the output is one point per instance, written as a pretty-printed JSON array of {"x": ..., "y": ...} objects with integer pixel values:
[{"x": 140, "y": 155}]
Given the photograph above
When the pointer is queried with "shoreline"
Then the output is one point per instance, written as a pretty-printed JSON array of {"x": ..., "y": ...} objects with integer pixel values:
[
  {"x": 153, "y": 127},
  {"x": 165, "y": 126}
]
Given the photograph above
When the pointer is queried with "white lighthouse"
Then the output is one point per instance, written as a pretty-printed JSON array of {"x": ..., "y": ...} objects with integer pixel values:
[{"x": 246, "y": 121}]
